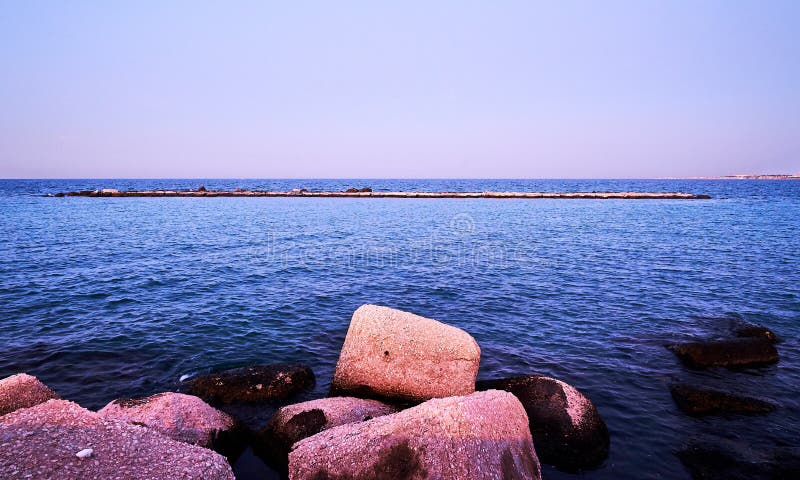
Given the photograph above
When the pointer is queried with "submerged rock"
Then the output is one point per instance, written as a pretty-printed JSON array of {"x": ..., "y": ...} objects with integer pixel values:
[
  {"x": 484, "y": 435},
  {"x": 181, "y": 417},
  {"x": 567, "y": 429},
  {"x": 701, "y": 401},
  {"x": 739, "y": 352},
  {"x": 716, "y": 458},
  {"x": 397, "y": 355},
  {"x": 293, "y": 423},
  {"x": 255, "y": 383},
  {"x": 40, "y": 443},
  {"x": 749, "y": 330},
  {"x": 22, "y": 391}
]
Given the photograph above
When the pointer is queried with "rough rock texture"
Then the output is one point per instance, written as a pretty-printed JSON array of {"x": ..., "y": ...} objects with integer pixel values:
[
  {"x": 716, "y": 458},
  {"x": 401, "y": 356},
  {"x": 702, "y": 401},
  {"x": 255, "y": 383},
  {"x": 295, "y": 422},
  {"x": 22, "y": 391},
  {"x": 739, "y": 352},
  {"x": 42, "y": 442},
  {"x": 181, "y": 417},
  {"x": 567, "y": 429},
  {"x": 479, "y": 436}
]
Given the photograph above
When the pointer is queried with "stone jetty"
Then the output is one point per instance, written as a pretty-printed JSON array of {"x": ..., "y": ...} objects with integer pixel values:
[
  {"x": 368, "y": 193},
  {"x": 429, "y": 424}
]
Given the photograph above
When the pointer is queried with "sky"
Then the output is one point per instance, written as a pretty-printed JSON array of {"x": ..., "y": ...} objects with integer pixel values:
[{"x": 428, "y": 89}]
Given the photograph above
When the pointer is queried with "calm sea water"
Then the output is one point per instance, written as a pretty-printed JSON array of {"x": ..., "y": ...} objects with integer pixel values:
[{"x": 110, "y": 297}]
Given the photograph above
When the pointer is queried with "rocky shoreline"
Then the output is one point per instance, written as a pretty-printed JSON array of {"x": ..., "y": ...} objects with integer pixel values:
[
  {"x": 404, "y": 404},
  {"x": 367, "y": 192}
]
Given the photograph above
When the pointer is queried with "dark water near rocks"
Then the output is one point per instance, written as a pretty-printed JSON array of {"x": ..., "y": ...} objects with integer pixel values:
[{"x": 111, "y": 297}]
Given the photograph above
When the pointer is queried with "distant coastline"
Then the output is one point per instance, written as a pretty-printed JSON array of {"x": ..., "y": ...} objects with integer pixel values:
[{"x": 787, "y": 176}]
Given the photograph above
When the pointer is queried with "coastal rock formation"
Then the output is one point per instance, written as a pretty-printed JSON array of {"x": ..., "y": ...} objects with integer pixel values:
[
  {"x": 351, "y": 190},
  {"x": 479, "y": 436},
  {"x": 365, "y": 189},
  {"x": 397, "y": 355},
  {"x": 567, "y": 429},
  {"x": 701, "y": 401},
  {"x": 22, "y": 391},
  {"x": 739, "y": 352},
  {"x": 181, "y": 417},
  {"x": 43, "y": 442},
  {"x": 255, "y": 383},
  {"x": 293, "y": 423}
]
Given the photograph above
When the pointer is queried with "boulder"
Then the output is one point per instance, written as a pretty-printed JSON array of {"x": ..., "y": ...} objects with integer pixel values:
[
  {"x": 43, "y": 442},
  {"x": 351, "y": 190},
  {"x": 255, "y": 383},
  {"x": 738, "y": 352},
  {"x": 697, "y": 400},
  {"x": 202, "y": 188},
  {"x": 365, "y": 189},
  {"x": 396, "y": 355},
  {"x": 22, "y": 391},
  {"x": 567, "y": 429},
  {"x": 293, "y": 423},
  {"x": 181, "y": 417},
  {"x": 479, "y": 436}
]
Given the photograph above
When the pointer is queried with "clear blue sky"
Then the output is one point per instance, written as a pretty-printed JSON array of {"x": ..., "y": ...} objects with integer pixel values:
[{"x": 414, "y": 89}]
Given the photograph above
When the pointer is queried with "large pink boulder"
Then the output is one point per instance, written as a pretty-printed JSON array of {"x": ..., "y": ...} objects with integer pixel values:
[
  {"x": 293, "y": 423},
  {"x": 22, "y": 391},
  {"x": 182, "y": 417},
  {"x": 59, "y": 439},
  {"x": 397, "y": 355},
  {"x": 484, "y": 435}
]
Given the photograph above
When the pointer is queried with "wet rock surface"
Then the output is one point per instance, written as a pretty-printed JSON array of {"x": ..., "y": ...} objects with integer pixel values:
[
  {"x": 697, "y": 400},
  {"x": 295, "y": 422},
  {"x": 43, "y": 443},
  {"x": 255, "y": 383},
  {"x": 733, "y": 353},
  {"x": 567, "y": 429},
  {"x": 185, "y": 418},
  {"x": 749, "y": 330},
  {"x": 400, "y": 356},
  {"x": 479, "y": 436},
  {"x": 22, "y": 391}
]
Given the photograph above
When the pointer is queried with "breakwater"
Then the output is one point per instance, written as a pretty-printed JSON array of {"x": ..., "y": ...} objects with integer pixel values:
[{"x": 202, "y": 192}]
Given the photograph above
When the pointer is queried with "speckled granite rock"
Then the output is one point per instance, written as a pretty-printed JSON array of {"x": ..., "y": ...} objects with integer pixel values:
[
  {"x": 484, "y": 435},
  {"x": 22, "y": 391},
  {"x": 181, "y": 417},
  {"x": 397, "y": 355},
  {"x": 42, "y": 442},
  {"x": 254, "y": 383},
  {"x": 567, "y": 429},
  {"x": 293, "y": 423}
]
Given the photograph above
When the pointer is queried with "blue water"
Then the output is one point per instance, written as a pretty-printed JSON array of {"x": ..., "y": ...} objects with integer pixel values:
[{"x": 110, "y": 297}]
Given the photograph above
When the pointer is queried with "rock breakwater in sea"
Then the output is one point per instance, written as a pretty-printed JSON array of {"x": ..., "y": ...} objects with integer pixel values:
[{"x": 404, "y": 404}]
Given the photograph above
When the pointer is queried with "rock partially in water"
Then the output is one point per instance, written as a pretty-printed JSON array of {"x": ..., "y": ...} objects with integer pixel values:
[
  {"x": 202, "y": 188},
  {"x": 567, "y": 428},
  {"x": 22, "y": 391},
  {"x": 396, "y": 355},
  {"x": 484, "y": 435},
  {"x": 40, "y": 443},
  {"x": 697, "y": 400},
  {"x": 365, "y": 189},
  {"x": 293, "y": 423},
  {"x": 254, "y": 383},
  {"x": 738, "y": 352},
  {"x": 351, "y": 190},
  {"x": 185, "y": 418},
  {"x": 716, "y": 458}
]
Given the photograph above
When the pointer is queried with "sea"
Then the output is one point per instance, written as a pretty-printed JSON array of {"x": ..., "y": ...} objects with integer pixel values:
[{"x": 103, "y": 298}]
